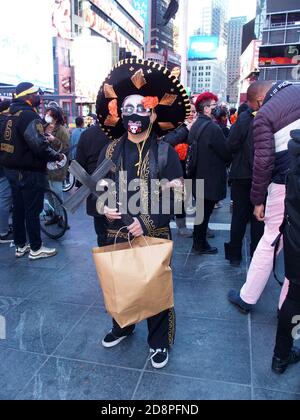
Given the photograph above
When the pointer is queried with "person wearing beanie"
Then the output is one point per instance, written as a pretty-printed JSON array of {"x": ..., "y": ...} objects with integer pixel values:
[{"x": 24, "y": 154}]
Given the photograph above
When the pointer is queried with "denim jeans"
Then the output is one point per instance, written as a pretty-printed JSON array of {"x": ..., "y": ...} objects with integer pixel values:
[
  {"x": 28, "y": 200},
  {"x": 5, "y": 204}
]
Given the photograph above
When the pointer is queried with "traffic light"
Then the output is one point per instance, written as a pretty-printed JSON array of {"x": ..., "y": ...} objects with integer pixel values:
[{"x": 170, "y": 12}]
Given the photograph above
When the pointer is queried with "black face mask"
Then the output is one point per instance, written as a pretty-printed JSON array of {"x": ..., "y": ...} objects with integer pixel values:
[{"x": 135, "y": 124}]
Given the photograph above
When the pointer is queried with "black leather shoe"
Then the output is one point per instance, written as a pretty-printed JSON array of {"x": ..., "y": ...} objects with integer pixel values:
[
  {"x": 279, "y": 366},
  {"x": 205, "y": 250},
  {"x": 233, "y": 254}
]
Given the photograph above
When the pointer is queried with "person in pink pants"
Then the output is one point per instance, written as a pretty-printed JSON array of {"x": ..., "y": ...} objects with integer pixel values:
[
  {"x": 279, "y": 114},
  {"x": 262, "y": 262}
]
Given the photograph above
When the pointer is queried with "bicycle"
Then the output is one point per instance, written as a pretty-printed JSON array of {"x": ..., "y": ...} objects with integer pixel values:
[
  {"x": 69, "y": 182},
  {"x": 54, "y": 217}
]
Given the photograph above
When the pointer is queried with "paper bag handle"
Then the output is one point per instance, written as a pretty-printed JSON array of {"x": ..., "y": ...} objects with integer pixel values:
[{"x": 129, "y": 241}]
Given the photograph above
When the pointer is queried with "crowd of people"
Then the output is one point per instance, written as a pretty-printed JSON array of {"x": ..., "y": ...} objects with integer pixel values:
[{"x": 248, "y": 149}]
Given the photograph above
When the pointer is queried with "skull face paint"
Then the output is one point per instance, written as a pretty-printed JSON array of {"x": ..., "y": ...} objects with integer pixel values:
[{"x": 136, "y": 119}]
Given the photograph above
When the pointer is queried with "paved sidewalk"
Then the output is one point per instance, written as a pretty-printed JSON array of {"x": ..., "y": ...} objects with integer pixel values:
[{"x": 55, "y": 320}]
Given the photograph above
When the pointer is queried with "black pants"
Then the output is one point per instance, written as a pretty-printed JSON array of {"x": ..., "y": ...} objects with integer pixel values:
[
  {"x": 28, "y": 202},
  {"x": 161, "y": 330},
  {"x": 286, "y": 327},
  {"x": 100, "y": 224},
  {"x": 243, "y": 214},
  {"x": 200, "y": 231}
]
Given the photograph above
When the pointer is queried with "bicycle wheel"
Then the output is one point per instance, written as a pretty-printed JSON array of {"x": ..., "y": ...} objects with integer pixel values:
[
  {"x": 69, "y": 182},
  {"x": 54, "y": 218}
]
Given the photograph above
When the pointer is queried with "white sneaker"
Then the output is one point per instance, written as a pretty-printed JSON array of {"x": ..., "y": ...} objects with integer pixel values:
[
  {"x": 159, "y": 358},
  {"x": 43, "y": 252},
  {"x": 20, "y": 252}
]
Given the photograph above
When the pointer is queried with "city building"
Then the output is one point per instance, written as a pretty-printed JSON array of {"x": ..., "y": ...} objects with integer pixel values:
[
  {"x": 210, "y": 40},
  {"x": 160, "y": 47},
  {"x": 205, "y": 68},
  {"x": 279, "y": 55},
  {"x": 90, "y": 37},
  {"x": 207, "y": 75},
  {"x": 235, "y": 31},
  {"x": 212, "y": 18}
]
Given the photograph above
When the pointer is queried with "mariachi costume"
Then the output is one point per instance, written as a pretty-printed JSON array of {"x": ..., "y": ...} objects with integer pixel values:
[{"x": 152, "y": 160}]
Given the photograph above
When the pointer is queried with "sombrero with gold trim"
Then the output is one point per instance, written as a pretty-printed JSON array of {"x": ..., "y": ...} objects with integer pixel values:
[{"x": 148, "y": 79}]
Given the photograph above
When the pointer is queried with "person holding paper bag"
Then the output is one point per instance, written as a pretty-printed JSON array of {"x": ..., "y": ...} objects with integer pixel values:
[{"x": 139, "y": 102}]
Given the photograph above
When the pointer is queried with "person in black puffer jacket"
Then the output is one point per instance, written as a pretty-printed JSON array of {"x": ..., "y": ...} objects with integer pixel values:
[
  {"x": 288, "y": 330},
  {"x": 240, "y": 143}
]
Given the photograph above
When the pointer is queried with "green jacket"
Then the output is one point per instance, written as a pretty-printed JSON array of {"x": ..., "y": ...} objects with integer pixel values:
[{"x": 62, "y": 145}]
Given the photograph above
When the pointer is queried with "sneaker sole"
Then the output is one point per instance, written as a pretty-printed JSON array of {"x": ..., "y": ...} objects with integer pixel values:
[
  {"x": 20, "y": 255},
  {"x": 39, "y": 257},
  {"x": 6, "y": 241},
  {"x": 113, "y": 343},
  {"x": 160, "y": 365}
]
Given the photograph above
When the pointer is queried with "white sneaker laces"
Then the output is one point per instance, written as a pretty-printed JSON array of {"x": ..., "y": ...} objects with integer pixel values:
[{"x": 155, "y": 352}]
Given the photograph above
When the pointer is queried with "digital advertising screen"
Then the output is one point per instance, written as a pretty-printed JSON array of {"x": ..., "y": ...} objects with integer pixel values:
[
  {"x": 26, "y": 49},
  {"x": 203, "y": 47}
]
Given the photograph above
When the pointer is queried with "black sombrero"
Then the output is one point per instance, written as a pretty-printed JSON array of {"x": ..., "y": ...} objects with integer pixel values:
[{"x": 145, "y": 78}]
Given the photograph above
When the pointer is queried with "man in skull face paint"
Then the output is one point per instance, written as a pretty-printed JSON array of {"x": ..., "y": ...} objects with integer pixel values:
[{"x": 135, "y": 119}]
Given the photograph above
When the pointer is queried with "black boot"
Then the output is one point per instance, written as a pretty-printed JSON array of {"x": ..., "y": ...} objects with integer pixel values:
[
  {"x": 279, "y": 366},
  {"x": 233, "y": 254},
  {"x": 205, "y": 249}
]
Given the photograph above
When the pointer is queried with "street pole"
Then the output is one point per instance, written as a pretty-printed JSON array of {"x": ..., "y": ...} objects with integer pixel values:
[{"x": 184, "y": 12}]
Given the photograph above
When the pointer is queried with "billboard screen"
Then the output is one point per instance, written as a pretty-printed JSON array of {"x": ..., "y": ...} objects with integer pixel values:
[
  {"x": 26, "y": 42},
  {"x": 203, "y": 47}
]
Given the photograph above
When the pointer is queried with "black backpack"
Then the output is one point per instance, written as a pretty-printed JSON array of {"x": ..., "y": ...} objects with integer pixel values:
[
  {"x": 10, "y": 153},
  {"x": 290, "y": 229},
  {"x": 192, "y": 156}
]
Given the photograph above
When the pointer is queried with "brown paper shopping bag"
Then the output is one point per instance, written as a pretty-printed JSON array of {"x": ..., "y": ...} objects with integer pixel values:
[{"x": 136, "y": 278}]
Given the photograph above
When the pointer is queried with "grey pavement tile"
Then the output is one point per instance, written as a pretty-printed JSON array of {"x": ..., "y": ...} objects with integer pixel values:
[
  {"x": 208, "y": 299},
  {"x": 7, "y": 303},
  {"x": 16, "y": 369},
  {"x": 65, "y": 287},
  {"x": 267, "y": 395},
  {"x": 20, "y": 282},
  {"x": 156, "y": 386},
  {"x": 206, "y": 267},
  {"x": 68, "y": 380},
  {"x": 263, "y": 342},
  {"x": 211, "y": 350},
  {"x": 266, "y": 309},
  {"x": 40, "y": 326},
  {"x": 181, "y": 245},
  {"x": 84, "y": 343}
]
